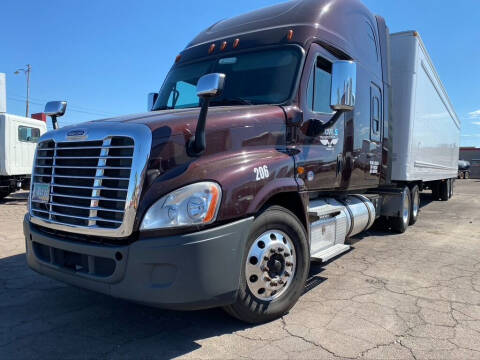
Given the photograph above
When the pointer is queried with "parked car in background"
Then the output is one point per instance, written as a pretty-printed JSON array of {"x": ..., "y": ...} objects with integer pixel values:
[{"x": 463, "y": 169}]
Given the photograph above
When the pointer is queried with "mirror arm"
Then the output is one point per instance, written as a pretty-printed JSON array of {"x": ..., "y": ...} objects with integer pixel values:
[
  {"x": 54, "y": 122},
  {"x": 319, "y": 127},
  {"x": 197, "y": 144}
]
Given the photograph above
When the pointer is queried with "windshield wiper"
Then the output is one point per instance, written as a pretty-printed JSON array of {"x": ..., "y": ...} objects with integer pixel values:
[{"x": 232, "y": 101}]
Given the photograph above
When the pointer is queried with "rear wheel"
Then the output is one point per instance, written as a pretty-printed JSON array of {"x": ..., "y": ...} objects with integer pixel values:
[
  {"x": 467, "y": 175},
  {"x": 435, "y": 186},
  {"x": 450, "y": 194},
  {"x": 445, "y": 190},
  {"x": 275, "y": 267},
  {"x": 400, "y": 224},
  {"x": 415, "y": 204}
]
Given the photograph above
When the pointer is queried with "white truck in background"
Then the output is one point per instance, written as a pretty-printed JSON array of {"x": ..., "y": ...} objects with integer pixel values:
[{"x": 18, "y": 139}]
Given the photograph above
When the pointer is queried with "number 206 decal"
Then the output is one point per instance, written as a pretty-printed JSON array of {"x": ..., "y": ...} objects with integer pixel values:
[{"x": 261, "y": 172}]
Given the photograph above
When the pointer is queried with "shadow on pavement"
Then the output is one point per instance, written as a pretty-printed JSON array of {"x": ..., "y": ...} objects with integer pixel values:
[
  {"x": 15, "y": 199},
  {"x": 42, "y": 318}
]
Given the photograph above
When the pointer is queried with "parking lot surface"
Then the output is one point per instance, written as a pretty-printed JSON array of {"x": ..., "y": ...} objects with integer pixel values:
[{"x": 415, "y": 295}]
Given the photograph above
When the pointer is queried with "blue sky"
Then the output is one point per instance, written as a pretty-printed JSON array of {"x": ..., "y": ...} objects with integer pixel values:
[{"x": 104, "y": 56}]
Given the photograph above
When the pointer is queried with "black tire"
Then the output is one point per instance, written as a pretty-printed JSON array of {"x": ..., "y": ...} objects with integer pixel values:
[
  {"x": 435, "y": 190},
  {"x": 400, "y": 224},
  {"x": 414, "y": 204},
  {"x": 444, "y": 190},
  {"x": 251, "y": 309},
  {"x": 450, "y": 194}
]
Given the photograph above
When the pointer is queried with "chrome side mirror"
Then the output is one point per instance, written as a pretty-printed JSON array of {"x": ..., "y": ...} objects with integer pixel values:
[
  {"x": 152, "y": 99},
  {"x": 55, "y": 109},
  {"x": 344, "y": 85},
  {"x": 210, "y": 85}
]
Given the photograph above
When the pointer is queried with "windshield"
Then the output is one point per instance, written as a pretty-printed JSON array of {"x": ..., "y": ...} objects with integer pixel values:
[{"x": 261, "y": 77}]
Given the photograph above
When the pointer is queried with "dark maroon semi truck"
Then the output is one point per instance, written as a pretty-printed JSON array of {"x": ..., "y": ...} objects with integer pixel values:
[{"x": 268, "y": 146}]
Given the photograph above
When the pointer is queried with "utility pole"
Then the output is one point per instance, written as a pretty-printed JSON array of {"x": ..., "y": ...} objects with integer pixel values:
[{"x": 26, "y": 71}]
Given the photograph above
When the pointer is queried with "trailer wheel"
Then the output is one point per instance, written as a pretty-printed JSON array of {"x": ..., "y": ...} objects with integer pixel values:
[
  {"x": 445, "y": 190},
  {"x": 275, "y": 267},
  {"x": 400, "y": 224},
  {"x": 415, "y": 204},
  {"x": 467, "y": 175},
  {"x": 461, "y": 175},
  {"x": 435, "y": 186}
]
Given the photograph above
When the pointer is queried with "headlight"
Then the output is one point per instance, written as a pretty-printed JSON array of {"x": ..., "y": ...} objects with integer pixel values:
[{"x": 194, "y": 204}]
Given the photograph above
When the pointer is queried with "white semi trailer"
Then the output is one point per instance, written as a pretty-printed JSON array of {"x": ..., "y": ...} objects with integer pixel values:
[
  {"x": 18, "y": 139},
  {"x": 425, "y": 126}
]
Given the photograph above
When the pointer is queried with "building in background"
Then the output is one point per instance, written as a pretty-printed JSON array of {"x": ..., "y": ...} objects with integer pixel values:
[{"x": 472, "y": 155}]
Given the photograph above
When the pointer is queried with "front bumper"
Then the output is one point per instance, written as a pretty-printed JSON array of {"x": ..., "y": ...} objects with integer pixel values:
[{"x": 184, "y": 272}]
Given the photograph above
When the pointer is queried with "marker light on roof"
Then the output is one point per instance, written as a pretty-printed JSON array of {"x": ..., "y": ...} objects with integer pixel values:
[{"x": 290, "y": 35}]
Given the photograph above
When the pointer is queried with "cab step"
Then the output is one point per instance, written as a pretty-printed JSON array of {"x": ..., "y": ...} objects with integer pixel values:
[{"x": 330, "y": 252}]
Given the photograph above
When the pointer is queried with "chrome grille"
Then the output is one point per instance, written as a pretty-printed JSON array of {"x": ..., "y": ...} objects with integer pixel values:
[{"x": 89, "y": 181}]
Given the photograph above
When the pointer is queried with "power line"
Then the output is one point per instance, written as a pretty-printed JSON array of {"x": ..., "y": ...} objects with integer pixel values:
[
  {"x": 71, "y": 108},
  {"x": 74, "y": 107}
]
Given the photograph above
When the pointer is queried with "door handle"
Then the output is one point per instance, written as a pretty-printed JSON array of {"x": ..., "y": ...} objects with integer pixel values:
[{"x": 339, "y": 164}]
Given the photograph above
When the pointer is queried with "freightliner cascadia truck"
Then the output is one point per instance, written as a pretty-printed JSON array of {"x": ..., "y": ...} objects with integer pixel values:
[{"x": 275, "y": 137}]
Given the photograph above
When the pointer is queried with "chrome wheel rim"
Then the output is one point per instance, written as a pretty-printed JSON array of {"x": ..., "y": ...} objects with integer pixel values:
[
  {"x": 406, "y": 208},
  {"x": 416, "y": 204},
  {"x": 270, "y": 265}
]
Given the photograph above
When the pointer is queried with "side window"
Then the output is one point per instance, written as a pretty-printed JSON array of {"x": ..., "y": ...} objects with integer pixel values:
[
  {"x": 375, "y": 113},
  {"x": 318, "y": 89},
  {"x": 183, "y": 95},
  {"x": 28, "y": 134}
]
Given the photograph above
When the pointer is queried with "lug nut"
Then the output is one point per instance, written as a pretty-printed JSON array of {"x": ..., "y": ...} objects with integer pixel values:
[
  {"x": 267, "y": 279},
  {"x": 288, "y": 263},
  {"x": 287, "y": 274},
  {"x": 281, "y": 282},
  {"x": 280, "y": 249},
  {"x": 266, "y": 258},
  {"x": 273, "y": 284},
  {"x": 272, "y": 251}
]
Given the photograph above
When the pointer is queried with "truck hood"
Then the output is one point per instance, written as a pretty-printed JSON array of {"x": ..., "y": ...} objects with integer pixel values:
[
  {"x": 184, "y": 121},
  {"x": 230, "y": 130}
]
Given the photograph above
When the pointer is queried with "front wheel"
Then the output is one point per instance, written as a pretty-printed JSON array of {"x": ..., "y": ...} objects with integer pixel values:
[{"x": 275, "y": 267}]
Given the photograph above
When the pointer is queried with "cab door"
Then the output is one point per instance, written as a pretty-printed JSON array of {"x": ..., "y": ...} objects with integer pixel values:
[
  {"x": 320, "y": 156},
  {"x": 373, "y": 145}
]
